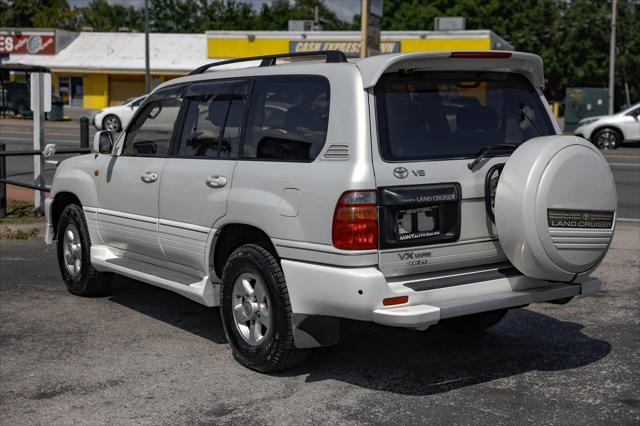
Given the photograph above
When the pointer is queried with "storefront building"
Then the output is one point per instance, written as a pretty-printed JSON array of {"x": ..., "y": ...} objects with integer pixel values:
[
  {"x": 233, "y": 44},
  {"x": 94, "y": 70}
]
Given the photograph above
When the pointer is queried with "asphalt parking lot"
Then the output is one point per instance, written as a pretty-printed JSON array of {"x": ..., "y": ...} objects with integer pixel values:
[{"x": 144, "y": 355}]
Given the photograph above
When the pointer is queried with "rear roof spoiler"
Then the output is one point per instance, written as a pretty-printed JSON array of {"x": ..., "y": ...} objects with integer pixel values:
[{"x": 527, "y": 64}]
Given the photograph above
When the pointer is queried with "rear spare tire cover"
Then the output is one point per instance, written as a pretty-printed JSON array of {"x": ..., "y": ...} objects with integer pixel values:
[{"x": 555, "y": 208}]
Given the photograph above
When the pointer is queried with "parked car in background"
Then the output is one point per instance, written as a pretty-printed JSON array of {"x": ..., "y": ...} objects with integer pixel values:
[
  {"x": 16, "y": 96},
  {"x": 115, "y": 118},
  {"x": 610, "y": 131}
]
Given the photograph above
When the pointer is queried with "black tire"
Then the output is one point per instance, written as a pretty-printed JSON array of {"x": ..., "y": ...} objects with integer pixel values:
[
  {"x": 117, "y": 126},
  {"x": 607, "y": 138},
  {"x": 277, "y": 350},
  {"x": 475, "y": 322},
  {"x": 88, "y": 282}
]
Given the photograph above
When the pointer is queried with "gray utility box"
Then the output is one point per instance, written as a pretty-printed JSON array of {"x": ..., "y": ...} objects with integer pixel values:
[{"x": 581, "y": 102}]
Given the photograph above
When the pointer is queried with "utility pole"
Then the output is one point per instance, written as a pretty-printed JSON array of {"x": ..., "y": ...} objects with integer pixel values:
[
  {"x": 371, "y": 13},
  {"x": 147, "y": 77},
  {"x": 612, "y": 57},
  {"x": 364, "y": 27},
  {"x": 40, "y": 88},
  {"x": 316, "y": 19}
]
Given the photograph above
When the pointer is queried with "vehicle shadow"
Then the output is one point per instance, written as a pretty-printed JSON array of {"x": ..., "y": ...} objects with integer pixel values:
[
  {"x": 440, "y": 360},
  {"x": 399, "y": 360},
  {"x": 168, "y": 307}
]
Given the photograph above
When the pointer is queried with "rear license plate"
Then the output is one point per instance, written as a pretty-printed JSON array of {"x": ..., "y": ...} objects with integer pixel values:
[{"x": 416, "y": 223}]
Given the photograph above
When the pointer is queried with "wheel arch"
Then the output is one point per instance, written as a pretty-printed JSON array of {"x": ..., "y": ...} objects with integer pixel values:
[
  {"x": 595, "y": 131},
  {"x": 60, "y": 201},
  {"x": 233, "y": 235}
]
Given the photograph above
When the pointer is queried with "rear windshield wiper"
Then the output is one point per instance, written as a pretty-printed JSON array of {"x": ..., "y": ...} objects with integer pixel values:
[
  {"x": 524, "y": 116},
  {"x": 490, "y": 150}
]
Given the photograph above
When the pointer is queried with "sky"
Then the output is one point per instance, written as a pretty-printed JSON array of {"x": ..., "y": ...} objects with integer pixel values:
[{"x": 344, "y": 9}]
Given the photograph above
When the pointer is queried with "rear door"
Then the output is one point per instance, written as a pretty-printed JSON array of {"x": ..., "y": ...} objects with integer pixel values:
[
  {"x": 197, "y": 179},
  {"x": 430, "y": 127}
]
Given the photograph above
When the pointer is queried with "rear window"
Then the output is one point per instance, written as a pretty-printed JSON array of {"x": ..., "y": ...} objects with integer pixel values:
[{"x": 431, "y": 115}]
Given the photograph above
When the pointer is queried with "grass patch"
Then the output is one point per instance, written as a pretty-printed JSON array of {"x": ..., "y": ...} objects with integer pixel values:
[
  {"x": 20, "y": 212},
  {"x": 19, "y": 234}
]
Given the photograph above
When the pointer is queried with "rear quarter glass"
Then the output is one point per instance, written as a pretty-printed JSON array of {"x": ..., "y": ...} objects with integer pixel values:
[{"x": 435, "y": 115}]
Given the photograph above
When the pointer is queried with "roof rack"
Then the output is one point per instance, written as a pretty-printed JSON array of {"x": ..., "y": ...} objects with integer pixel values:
[{"x": 333, "y": 56}]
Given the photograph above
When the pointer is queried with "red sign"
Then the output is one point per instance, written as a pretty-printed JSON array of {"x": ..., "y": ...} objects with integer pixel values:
[{"x": 27, "y": 43}]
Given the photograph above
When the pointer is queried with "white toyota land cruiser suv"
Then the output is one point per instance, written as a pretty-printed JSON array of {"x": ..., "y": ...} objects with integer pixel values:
[{"x": 403, "y": 189}]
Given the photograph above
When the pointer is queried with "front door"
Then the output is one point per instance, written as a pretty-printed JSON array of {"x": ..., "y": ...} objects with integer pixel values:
[
  {"x": 197, "y": 179},
  {"x": 631, "y": 124},
  {"x": 128, "y": 213}
]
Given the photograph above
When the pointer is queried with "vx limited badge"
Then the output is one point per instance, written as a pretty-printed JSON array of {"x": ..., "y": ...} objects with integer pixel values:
[{"x": 411, "y": 255}]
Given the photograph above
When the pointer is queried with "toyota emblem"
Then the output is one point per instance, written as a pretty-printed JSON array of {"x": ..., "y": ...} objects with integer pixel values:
[{"x": 400, "y": 172}]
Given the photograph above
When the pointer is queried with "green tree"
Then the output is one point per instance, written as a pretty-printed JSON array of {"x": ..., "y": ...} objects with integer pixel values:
[
  {"x": 101, "y": 16},
  {"x": 37, "y": 13},
  {"x": 628, "y": 47},
  {"x": 226, "y": 15},
  {"x": 174, "y": 16},
  {"x": 276, "y": 16}
]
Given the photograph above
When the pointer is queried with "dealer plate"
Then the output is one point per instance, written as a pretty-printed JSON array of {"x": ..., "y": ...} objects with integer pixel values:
[{"x": 416, "y": 223}]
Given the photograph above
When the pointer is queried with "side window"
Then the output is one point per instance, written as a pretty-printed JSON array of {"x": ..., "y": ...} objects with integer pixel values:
[
  {"x": 213, "y": 124},
  {"x": 149, "y": 134},
  {"x": 288, "y": 119}
]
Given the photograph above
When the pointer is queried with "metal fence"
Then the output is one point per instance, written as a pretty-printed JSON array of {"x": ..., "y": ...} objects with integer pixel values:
[{"x": 84, "y": 149}]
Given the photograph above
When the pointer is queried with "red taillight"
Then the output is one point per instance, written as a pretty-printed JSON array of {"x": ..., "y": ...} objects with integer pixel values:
[
  {"x": 487, "y": 54},
  {"x": 355, "y": 221}
]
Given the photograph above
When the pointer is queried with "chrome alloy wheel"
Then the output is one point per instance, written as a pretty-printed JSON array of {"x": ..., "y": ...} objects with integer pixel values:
[
  {"x": 72, "y": 250},
  {"x": 251, "y": 308},
  {"x": 607, "y": 139},
  {"x": 112, "y": 123}
]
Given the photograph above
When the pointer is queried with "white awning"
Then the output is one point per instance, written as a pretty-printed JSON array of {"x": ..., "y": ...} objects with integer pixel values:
[{"x": 124, "y": 52}]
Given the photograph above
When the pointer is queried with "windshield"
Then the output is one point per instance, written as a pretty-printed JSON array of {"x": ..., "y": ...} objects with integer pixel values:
[
  {"x": 430, "y": 115},
  {"x": 631, "y": 109}
]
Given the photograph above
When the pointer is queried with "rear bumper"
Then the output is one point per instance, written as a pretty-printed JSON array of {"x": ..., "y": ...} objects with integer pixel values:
[{"x": 357, "y": 293}]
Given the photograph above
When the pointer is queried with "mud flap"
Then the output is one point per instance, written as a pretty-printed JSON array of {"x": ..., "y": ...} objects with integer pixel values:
[{"x": 313, "y": 331}]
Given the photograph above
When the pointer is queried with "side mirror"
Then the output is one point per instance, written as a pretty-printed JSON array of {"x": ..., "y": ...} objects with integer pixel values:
[{"x": 103, "y": 142}]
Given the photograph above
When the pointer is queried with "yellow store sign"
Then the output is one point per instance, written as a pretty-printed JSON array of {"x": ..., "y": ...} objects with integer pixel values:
[{"x": 238, "y": 44}]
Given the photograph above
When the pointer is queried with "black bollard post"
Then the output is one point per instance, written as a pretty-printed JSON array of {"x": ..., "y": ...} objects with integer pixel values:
[
  {"x": 84, "y": 132},
  {"x": 3, "y": 186}
]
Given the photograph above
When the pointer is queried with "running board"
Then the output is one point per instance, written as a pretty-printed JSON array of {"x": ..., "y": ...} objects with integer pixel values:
[{"x": 198, "y": 289}]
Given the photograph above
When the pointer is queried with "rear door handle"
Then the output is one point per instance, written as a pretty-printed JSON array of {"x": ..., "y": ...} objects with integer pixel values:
[
  {"x": 216, "y": 181},
  {"x": 149, "y": 177}
]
